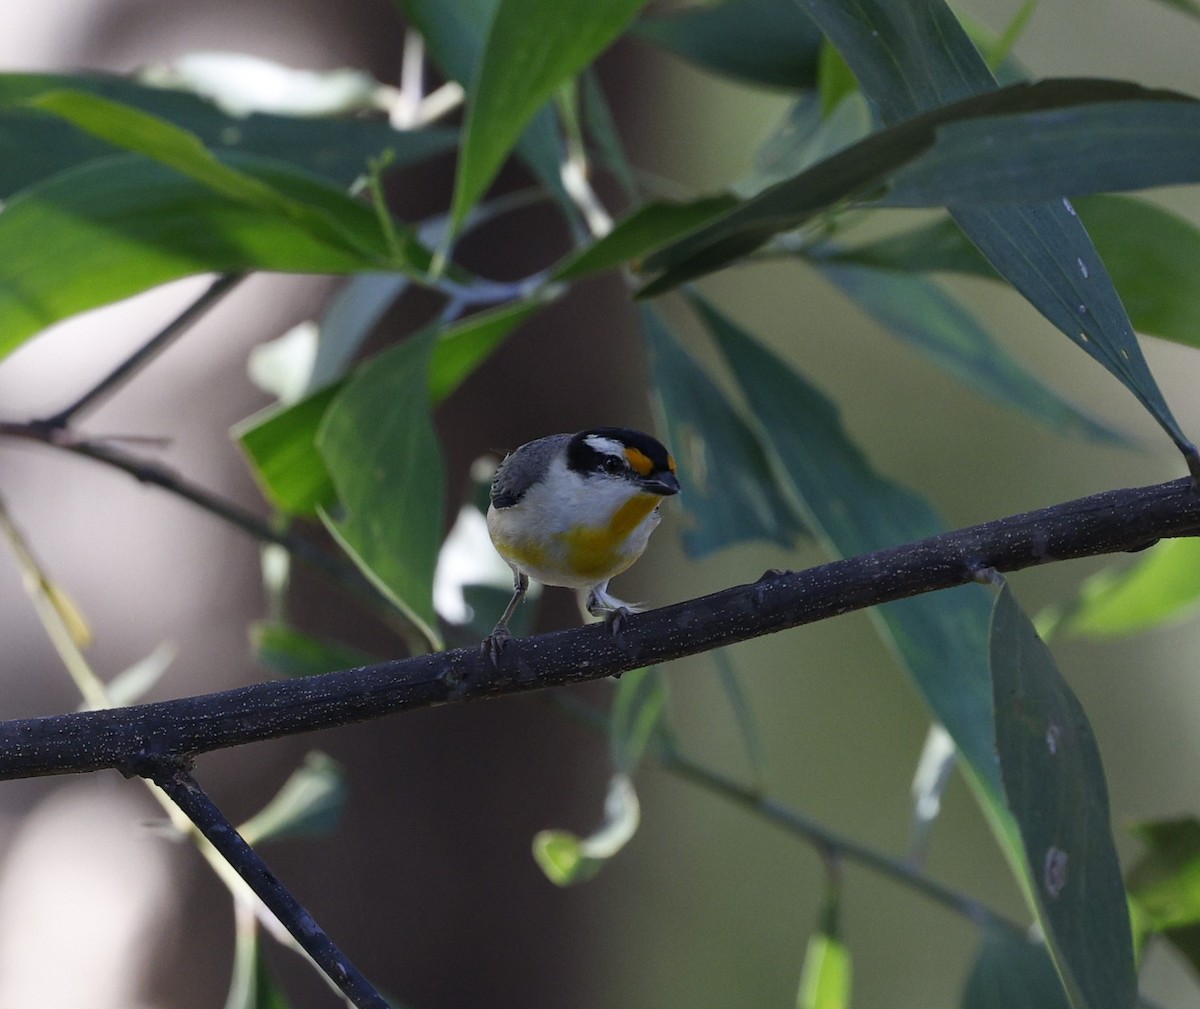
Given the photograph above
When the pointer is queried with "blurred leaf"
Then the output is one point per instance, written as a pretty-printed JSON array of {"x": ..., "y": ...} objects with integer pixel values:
[
  {"x": 280, "y": 442},
  {"x": 730, "y": 492},
  {"x": 1054, "y": 782},
  {"x": 638, "y": 706},
  {"x": 241, "y": 83},
  {"x": 291, "y": 652},
  {"x": 997, "y": 54},
  {"x": 922, "y": 314},
  {"x": 567, "y": 859},
  {"x": 602, "y": 128},
  {"x": 768, "y": 42},
  {"x": 743, "y": 714},
  {"x": 804, "y": 138},
  {"x": 835, "y": 79},
  {"x": 176, "y": 148},
  {"x": 649, "y": 227},
  {"x": 1163, "y": 587},
  {"x": 939, "y": 757},
  {"x": 1164, "y": 884},
  {"x": 454, "y": 32},
  {"x": 1012, "y": 973},
  {"x": 941, "y": 639},
  {"x": 378, "y": 443},
  {"x": 281, "y": 367},
  {"x": 825, "y": 978},
  {"x": 463, "y": 346},
  {"x": 130, "y": 685},
  {"x": 120, "y": 225},
  {"x": 38, "y": 145},
  {"x": 68, "y": 611},
  {"x": 309, "y": 804},
  {"x": 1153, "y": 257},
  {"x": 938, "y": 246},
  {"x": 349, "y": 319},
  {"x": 252, "y": 985},
  {"x": 1186, "y": 6},
  {"x": 532, "y": 47}
]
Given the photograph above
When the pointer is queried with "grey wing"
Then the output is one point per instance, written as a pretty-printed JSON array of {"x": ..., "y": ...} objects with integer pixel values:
[{"x": 524, "y": 467}]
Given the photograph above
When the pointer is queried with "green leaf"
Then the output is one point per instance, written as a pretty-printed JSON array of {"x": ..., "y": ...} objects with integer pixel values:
[
  {"x": 1151, "y": 254},
  {"x": 923, "y": 315},
  {"x": 910, "y": 58},
  {"x": 1184, "y": 6},
  {"x": 825, "y": 979},
  {"x": 1153, "y": 257},
  {"x": 462, "y": 347},
  {"x": 532, "y": 47},
  {"x": 602, "y": 128},
  {"x": 730, "y": 492},
  {"x": 638, "y": 706},
  {"x": 131, "y": 684},
  {"x": 380, "y": 448},
  {"x": 280, "y": 442},
  {"x": 567, "y": 859},
  {"x": 1164, "y": 884},
  {"x": 252, "y": 985},
  {"x": 38, "y": 144},
  {"x": 835, "y": 79},
  {"x": 767, "y": 42},
  {"x": 1042, "y": 154},
  {"x": 649, "y": 227},
  {"x": 743, "y": 714},
  {"x": 119, "y": 225},
  {"x": 176, "y": 148},
  {"x": 309, "y": 804},
  {"x": 940, "y": 639},
  {"x": 1012, "y": 973},
  {"x": 1163, "y": 587},
  {"x": 1054, "y": 782},
  {"x": 454, "y": 32},
  {"x": 293, "y": 653}
]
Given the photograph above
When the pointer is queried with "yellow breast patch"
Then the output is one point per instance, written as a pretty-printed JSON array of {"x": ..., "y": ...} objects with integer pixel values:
[{"x": 596, "y": 552}]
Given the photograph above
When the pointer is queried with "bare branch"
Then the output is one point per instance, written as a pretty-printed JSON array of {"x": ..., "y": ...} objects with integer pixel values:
[
  {"x": 1111, "y": 522},
  {"x": 174, "y": 779}
]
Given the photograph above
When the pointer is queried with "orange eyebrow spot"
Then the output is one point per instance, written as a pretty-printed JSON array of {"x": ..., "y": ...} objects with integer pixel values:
[
  {"x": 639, "y": 461},
  {"x": 670, "y": 462}
]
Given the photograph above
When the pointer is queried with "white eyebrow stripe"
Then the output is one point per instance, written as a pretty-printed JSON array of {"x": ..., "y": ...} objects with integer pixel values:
[{"x": 606, "y": 445}]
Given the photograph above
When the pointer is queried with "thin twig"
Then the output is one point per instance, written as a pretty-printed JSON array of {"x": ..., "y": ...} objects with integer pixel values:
[
  {"x": 124, "y": 371},
  {"x": 1112, "y": 522},
  {"x": 800, "y": 825},
  {"x": 147, "y": 471},
  {"x": 177, "y": 782}
]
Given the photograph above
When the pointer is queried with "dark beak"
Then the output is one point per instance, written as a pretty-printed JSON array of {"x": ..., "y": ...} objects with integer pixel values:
[{"x": 665, "y": 484}]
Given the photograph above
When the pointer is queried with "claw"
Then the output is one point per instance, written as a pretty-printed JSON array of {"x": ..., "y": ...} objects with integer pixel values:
[{"x": 494, "y": 644}]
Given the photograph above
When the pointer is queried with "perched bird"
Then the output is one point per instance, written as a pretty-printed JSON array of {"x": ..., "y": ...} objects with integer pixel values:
[{"x": 576, "y": 510}]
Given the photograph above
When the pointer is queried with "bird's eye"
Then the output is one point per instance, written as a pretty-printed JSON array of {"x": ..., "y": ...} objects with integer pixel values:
[{"x": 612, "y": 465}]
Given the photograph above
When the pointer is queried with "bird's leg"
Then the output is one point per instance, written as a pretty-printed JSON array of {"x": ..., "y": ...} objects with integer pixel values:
[
  {"x": 495, "y": 642},
  {"x": 600, "y": 604}
]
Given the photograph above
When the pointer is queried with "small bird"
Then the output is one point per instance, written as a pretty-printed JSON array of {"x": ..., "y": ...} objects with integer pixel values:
[{"x": 576, "y": 510}]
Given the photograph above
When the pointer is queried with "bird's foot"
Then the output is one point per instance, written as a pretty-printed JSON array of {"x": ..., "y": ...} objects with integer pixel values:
[{"x": 494, "y": 644}]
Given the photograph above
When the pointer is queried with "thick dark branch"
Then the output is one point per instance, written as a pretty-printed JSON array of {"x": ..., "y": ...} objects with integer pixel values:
[
  {"x": 1111, "y": 522},
  {"x": 173, "y": 778}
]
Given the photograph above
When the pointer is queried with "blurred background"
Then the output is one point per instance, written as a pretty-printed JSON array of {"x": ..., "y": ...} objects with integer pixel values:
[{"x": 429, "y": 884}]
